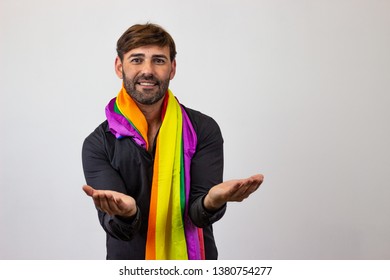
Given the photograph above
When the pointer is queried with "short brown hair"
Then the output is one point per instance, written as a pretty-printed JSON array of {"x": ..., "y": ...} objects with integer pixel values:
[{"x": 143, "y": 35}]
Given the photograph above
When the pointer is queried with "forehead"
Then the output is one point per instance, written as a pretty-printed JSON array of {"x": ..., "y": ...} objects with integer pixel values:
[{"x": 149, "y": 50}]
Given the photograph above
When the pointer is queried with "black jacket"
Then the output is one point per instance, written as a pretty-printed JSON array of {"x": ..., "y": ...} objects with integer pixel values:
[{"x": 121, "y": 165}]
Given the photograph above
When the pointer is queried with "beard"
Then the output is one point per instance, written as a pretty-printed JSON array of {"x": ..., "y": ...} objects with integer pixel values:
[{"x": 146, "y": 96}]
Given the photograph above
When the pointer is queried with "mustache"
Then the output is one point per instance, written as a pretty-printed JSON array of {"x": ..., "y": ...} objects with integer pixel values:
[{"x": 149, "y": 78}]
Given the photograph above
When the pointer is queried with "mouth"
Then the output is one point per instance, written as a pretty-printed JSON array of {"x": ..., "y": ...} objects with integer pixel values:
[{"x": 147, "y": 84}]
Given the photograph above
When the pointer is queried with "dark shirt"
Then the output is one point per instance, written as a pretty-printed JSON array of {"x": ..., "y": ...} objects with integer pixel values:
[{"x": 123, "y": 166}]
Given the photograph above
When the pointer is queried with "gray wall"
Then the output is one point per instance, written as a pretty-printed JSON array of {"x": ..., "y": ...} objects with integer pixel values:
[{"x": 299, "y": 88}]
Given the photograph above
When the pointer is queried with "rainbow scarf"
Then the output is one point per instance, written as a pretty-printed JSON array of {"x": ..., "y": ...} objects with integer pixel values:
[{"x": 171, "y": 234}]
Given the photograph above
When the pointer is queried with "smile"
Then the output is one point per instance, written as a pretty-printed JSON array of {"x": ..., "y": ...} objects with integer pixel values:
[{"x": 147, "y": 84}]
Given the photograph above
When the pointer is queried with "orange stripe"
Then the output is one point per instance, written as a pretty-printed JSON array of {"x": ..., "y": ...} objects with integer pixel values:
[
  {"x": 130, "y": 110},
  {"x": 151, "y": 236}
]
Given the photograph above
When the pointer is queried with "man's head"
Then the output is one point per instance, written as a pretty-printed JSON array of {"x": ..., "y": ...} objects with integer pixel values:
[
  {"x": 146, "y": 62},
  {"x": 143, "y": 35}
]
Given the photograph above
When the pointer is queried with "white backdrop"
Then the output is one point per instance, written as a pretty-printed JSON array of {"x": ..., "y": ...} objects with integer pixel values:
[{"x": 299, "y": 88}]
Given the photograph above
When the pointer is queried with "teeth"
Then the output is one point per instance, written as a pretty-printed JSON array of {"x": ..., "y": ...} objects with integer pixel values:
[{"x": 146, "y": 84}]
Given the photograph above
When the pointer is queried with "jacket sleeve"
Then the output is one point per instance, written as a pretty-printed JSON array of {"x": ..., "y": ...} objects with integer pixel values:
[
  {"x": 99, "y": 174},
  {"x": 206, "y": 171}
]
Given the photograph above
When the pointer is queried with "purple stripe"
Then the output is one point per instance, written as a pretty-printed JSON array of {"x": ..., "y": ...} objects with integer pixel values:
[
  {"x": 120, "y": 126},
  {"x": 189, "y": 143}
]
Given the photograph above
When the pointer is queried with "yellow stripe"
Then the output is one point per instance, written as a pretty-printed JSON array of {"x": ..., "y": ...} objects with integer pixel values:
[{"x": 170, "y": 237}]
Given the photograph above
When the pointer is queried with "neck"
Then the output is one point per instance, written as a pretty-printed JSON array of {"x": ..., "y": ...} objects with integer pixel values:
[
  {"x": 152, "y": 112},
  {"x": 152, "y": 115}
]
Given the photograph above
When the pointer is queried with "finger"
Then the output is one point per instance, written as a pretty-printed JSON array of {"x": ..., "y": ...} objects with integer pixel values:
[
  {"x": 96, "y": 200},
  {"x": 254, "y": 182},
  {"x": 237, "y": 191},
  {"x": 127, "y": 206},
  {"x": 259, "y": 181},
  {"x": 95, "y": 196},
  {"x": 249, "y": 186},
  {"x": 97, "y": 204},
  {"x": 103, "y": 202},
  {"x": 113, "y": 204},
  {"x": 258, "y": 177},
  {"x": 246, "y": 184},
  {"x": 121, "y": 205},
  {"x": 88, "y": 190},
  {"x": 123, "y": 209}
]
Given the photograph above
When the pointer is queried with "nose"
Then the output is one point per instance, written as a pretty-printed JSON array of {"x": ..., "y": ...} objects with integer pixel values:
[{"x": 147, "y": 68}]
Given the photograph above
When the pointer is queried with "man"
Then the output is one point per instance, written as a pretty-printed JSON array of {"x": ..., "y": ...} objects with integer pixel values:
[{"x": 154, "y": 167}]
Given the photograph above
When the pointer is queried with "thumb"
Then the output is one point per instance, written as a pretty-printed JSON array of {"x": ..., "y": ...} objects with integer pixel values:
[
  {"x": 121, "y": 204},
  {"x": 127, "y": 207}
]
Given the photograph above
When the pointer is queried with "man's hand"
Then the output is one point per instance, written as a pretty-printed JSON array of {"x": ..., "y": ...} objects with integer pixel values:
[
  {"x": 233, "y": 190},
  {"x": 112, "y": 202}
]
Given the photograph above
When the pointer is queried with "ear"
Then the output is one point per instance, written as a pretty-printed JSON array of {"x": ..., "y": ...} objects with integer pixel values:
[
  {"x": 173, "y": 70},
  {"x": 118, "y": 67}
]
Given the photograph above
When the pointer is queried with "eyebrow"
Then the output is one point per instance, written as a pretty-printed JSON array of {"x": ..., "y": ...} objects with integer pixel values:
[{"x": 143, "y": 55}]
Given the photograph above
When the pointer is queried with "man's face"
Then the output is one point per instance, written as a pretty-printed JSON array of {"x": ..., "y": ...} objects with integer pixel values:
[{"x": 146, "y": 72}]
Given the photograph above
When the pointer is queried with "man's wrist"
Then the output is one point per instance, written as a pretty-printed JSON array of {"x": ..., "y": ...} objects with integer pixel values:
[
  {"x": 131, "y": 213},
  {"x": 129, "y": 217},
  {"x": 211, "y": 205}
]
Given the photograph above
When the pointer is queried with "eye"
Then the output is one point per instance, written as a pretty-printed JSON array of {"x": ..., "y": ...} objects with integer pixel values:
[
  {"x": 159, "y": 61},
  {"x": 136, "y": 60}
]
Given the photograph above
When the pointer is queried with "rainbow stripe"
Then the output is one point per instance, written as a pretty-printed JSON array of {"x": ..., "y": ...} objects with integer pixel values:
[{"x": 171, "y": 234}]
